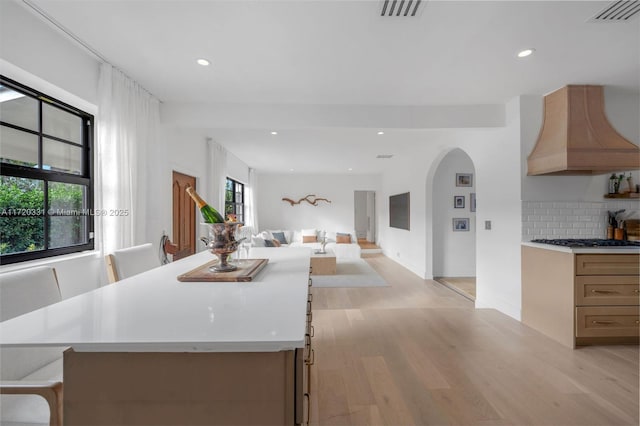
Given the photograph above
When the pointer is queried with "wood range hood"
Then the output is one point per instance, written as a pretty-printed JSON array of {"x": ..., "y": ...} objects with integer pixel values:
[{"x": 577, "y": 139}]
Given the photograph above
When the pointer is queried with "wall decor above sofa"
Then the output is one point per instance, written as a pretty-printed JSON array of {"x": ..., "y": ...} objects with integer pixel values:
[{"x": 308, "y": 199}]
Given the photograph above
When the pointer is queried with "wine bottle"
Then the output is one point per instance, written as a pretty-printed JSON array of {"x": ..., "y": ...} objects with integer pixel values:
[{"x": 209, "y": 214}]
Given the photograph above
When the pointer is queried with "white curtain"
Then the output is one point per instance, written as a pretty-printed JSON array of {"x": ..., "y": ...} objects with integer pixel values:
[
  {"x": 251, "y": 212},
  {"x": 128, "y": 118},
  {"x": 217, "y": 172}
]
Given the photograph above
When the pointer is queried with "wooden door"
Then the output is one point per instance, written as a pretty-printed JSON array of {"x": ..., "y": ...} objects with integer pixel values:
[{"x": 184, "y": 216}]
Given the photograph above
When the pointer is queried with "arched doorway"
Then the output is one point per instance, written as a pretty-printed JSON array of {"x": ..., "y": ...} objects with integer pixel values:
[{"x": 454, "y": 224}]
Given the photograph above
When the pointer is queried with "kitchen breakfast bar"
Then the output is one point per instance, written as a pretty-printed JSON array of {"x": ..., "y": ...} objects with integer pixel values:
[{"x": 152, "y": 350}]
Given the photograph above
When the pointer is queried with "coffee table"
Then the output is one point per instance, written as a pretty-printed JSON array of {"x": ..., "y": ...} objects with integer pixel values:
[{"x": 323, "y": 264}]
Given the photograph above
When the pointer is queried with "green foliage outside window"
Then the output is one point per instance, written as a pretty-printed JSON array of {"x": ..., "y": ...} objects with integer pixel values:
[
  {"x": 23, "y": 214},
  {"x": 22, "y": 233}
]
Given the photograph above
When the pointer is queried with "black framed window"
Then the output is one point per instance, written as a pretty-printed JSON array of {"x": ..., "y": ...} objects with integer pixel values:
[
  {"x": 46, "y": 175},
  {"x": 234, "y": 199}
]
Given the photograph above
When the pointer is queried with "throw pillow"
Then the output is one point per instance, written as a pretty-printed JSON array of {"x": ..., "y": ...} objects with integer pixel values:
[
  {"x": 343, "y": 238},
  {"x": 280, "y": 237},
  {"x": 269, "y": 243},
  {"x": 309, "y": 239},
  {"x": 276, "y": 243}
]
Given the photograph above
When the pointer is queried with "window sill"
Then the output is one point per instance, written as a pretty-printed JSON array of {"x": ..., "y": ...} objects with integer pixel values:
[{"x": 49, "y": 260}]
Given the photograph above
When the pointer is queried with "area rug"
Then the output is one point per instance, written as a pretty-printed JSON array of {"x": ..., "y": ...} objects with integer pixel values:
[{"x": 350, "y": 273}]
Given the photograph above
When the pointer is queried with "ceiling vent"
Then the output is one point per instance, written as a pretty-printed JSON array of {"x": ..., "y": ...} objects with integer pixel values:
[
  {"x": 400, "y": 7},
  {"x": 618, "y": 11},
  {"x": 384, "y": 155}
]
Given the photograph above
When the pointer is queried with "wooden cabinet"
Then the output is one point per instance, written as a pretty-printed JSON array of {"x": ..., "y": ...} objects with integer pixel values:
[
  {"x": 607, "y": 264},
  {"x": 212, "y": 388},
  {"x": 305, "y": 358},
  {"x": 607, "y": 298},
  {"x": 581, "y": 299}
]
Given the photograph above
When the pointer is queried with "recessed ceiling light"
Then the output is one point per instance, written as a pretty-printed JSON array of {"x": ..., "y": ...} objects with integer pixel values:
[
  {"x": 274, "y": 133},
  {"x": 203, "y": 62},
  {"x": 526, "y": 52},
  {"x": 350, "y": 169},
  {"x": 381, "y": 132},
  {"x": 290, "y": 170}
]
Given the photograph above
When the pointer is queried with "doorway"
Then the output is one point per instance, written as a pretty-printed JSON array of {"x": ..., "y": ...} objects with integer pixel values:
[
  {"x": 184, "y": 216},
  {"x": 365, "y": 218},
  {"x": 454, "y": 224}
]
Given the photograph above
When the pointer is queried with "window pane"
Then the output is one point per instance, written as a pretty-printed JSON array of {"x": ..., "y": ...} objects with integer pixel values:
[
  {"x": 20, "y": 234},
  {"x": 66, "y": 198},
  {"x": 67, "y": 231},
  {"x": 60, "y": 123},
  {"x": 21, "y": 222},
  {"x": 18, "y": 147},
  {"x": 18, "y": 109},
  {"x": 61, "y": 157}
]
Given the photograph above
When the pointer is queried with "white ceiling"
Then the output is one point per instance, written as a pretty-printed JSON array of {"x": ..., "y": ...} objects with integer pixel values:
[{"x": 345, "y": 53}]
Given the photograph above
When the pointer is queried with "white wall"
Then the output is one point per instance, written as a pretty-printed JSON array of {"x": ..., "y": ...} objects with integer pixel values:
[
  {"x": 38, "y": 56},
  {"x": 455, "y": 253},
  {"x": 184, "y": 151},
  {"x": 30, "y": 44},
  {"x": 337, "y": 216},
  {"x": 495, "y": 154},
  {"x": 237, "y": 169}
]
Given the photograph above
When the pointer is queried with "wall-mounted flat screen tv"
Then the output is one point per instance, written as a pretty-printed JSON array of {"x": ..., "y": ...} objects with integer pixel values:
[{"x": 399, "y": 211}]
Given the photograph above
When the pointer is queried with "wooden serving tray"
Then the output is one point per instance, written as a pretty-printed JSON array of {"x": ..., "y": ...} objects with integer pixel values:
[{"x": 247, "y": 270}]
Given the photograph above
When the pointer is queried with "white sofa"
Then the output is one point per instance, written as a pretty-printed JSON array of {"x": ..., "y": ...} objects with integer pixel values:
[{"x": 295, "y": 239}]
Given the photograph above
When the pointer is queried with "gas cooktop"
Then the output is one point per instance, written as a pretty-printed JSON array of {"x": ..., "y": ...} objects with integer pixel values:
[{"x": 595, "y": 242}]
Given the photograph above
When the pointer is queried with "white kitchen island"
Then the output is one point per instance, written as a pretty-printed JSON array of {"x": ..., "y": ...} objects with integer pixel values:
[{"x": 153, "y": 350}]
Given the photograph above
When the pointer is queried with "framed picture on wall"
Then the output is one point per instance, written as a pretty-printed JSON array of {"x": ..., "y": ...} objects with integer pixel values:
[
  {"x": 460, "y": 224},
  {"x": 458, "y": 202},
  {"x": 464, "y": 179},
  {"x": 472, "y": 202}
]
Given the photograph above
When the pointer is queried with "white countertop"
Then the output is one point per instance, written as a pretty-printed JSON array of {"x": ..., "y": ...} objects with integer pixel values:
[
  {"x": 154, "y": 312},
  {"x": 585, "y": 250}
]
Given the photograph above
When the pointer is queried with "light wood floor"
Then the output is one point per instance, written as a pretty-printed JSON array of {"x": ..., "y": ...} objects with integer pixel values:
[
  {"x": 417, "y": 353},
  {"x": 366, "y": 245},
  {"x": 463, "y": 285}
]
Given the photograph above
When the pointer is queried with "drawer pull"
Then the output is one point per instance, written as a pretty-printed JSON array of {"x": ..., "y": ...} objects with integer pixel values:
[
  {"x": 603, "y": 291},
  {"x": 312, "y": 358},
  {"x": 636, "y": 291},
  {"x": 603, "y": 322},
  {"x": 306, "y": 395},
  {"x": 313, "y": 330}
]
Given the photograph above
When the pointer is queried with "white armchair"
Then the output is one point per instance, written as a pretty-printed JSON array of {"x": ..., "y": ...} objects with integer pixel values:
[
  {"x": 131, "y": 261},
  {"x": 31, "y": 386}
]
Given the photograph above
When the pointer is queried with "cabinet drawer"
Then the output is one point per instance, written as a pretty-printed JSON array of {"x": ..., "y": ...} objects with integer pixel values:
[
  {"x": 607, "y": 264},
  {"x": 607, "y": 290},
  {"x": 607, "y": 321}
]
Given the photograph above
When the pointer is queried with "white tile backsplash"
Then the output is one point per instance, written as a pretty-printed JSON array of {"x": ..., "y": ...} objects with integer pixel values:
[{"x": 555, "y": 219}]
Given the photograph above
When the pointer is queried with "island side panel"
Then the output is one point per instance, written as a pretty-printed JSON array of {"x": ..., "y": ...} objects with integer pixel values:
[
  {"x": 178, "y": 388},
  {"x": 547, "y": 293}
]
